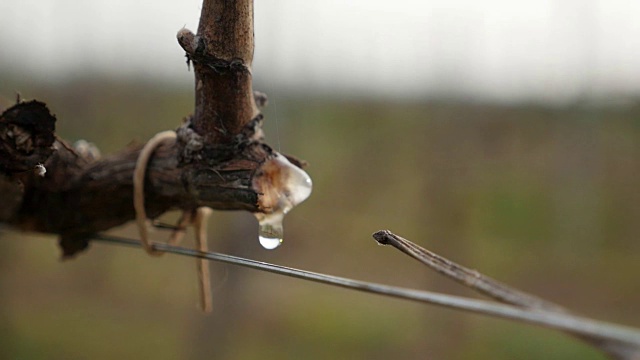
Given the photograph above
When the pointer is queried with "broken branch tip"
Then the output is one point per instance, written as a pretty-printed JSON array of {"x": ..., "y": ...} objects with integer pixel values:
[{"x": 382, "y": 237}]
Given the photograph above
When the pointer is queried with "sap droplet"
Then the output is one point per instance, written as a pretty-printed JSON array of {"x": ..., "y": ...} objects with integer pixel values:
[
  {"x": 294, "y": 187},
  {"x": 270, "y": 231},
  {"x": 269, "y": 243}
]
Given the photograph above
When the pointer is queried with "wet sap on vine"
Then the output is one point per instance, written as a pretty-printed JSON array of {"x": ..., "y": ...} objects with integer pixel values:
[
  {"x": 270, "y": 232},
  {"x": 295, "y": 187}
]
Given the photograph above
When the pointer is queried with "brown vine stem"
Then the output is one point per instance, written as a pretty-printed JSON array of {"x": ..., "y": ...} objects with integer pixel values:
[
  {"x": 218, "y": 160},
  {"x": 222, "y": 53},
  {"x": 619, "y": 334}
]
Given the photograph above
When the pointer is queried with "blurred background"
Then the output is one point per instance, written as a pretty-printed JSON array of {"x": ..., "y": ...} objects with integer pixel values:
[{"x": 503, "y": 135}]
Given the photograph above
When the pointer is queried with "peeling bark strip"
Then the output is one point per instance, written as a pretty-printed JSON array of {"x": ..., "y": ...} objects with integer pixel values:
[{"x": 218, "y": 159}]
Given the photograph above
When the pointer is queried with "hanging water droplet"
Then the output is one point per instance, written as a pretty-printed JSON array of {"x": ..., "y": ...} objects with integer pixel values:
[
  {"x": 269, "y": 243},
  {"x": 291, "y": 187},
  {"x": 270, "y": 231}
]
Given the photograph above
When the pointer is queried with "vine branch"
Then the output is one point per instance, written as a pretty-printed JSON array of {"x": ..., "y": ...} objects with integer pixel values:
[
  {"x": 615, "y": 347},
  {"x": 217, "y": 158},
  {"x": 465, "y": 276}
]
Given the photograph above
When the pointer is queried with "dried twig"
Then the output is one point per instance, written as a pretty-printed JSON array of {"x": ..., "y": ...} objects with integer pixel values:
[
  {"x": 465, "y": 276},
  {"x": 614, "y": 347}
]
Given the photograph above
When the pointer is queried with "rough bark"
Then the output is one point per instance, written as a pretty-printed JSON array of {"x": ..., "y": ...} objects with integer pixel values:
[
  {"x": 217, "y": 160},
  {"x": 222, "y": 53}
]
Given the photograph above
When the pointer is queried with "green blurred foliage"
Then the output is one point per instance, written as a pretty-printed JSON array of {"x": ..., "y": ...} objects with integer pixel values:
[{"x": 545, "y": 199}]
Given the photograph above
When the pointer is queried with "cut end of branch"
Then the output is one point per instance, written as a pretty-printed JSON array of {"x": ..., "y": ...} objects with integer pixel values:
[
  {"x": 383, "y": 237},
  {"x": 26, "y": 136}
]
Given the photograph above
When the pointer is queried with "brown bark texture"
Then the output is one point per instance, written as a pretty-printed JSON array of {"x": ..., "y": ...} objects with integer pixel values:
[{"x": 217, "y": 160}]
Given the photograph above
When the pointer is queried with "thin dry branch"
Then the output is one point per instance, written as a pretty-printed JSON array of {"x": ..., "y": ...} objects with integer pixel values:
[
  {"x": 465, "y": 276},
  {"x": 616, "y": 348}
]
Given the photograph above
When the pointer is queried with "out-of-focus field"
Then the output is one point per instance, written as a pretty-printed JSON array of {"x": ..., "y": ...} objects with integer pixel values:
[{"x": 544, "y": 199}]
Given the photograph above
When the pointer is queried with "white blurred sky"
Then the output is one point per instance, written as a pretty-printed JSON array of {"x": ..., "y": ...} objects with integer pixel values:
[{"x": 541, "y": 50}]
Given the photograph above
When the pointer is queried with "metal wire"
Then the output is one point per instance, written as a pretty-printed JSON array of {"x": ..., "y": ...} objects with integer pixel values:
[{"x": 626, "y": 336}]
